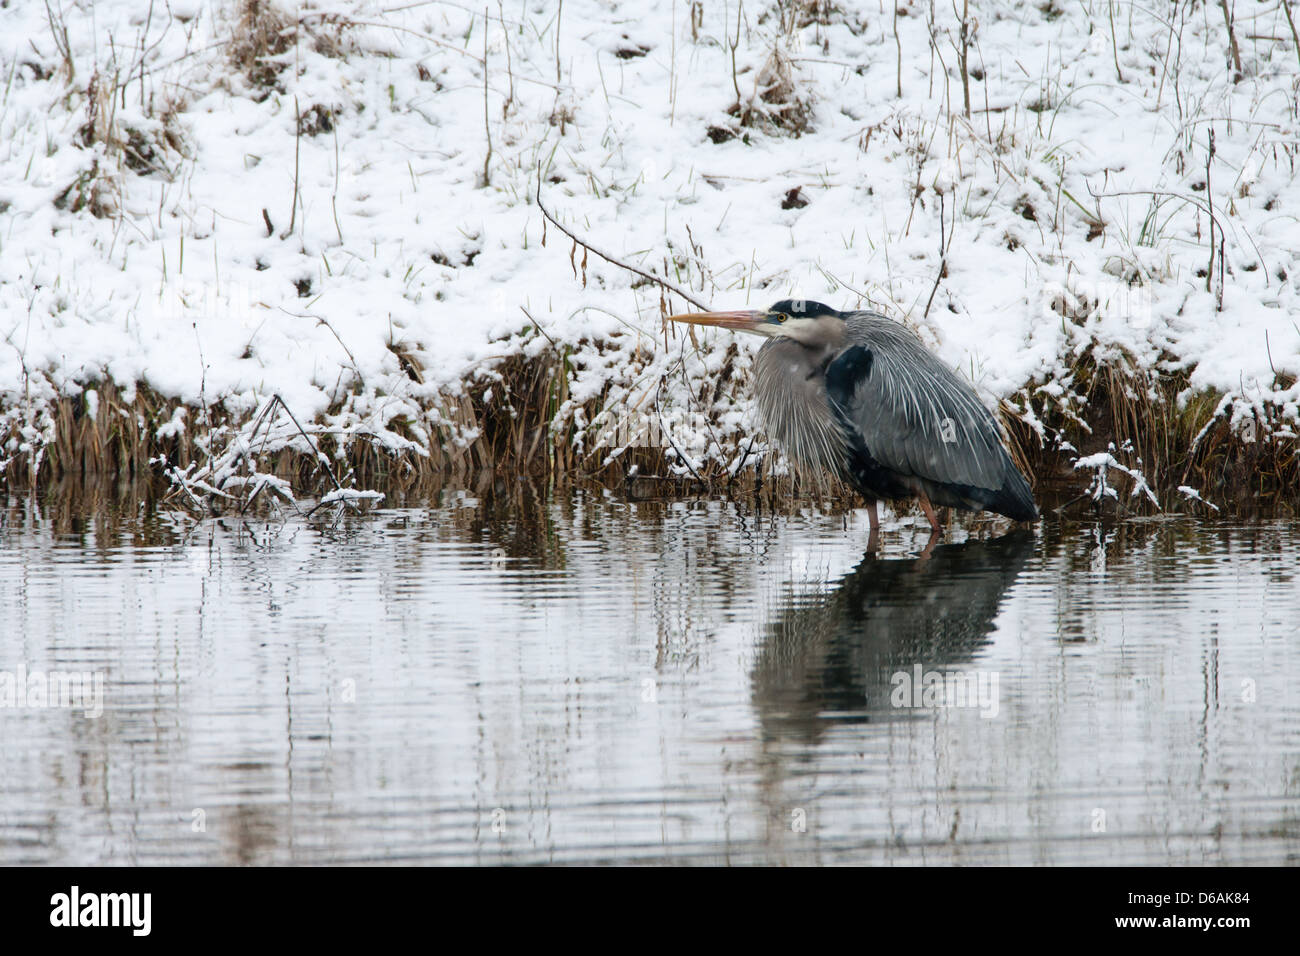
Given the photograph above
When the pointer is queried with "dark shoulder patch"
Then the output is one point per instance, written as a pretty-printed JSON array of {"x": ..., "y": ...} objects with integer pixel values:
[
  {"x": 844, "y": 374},
  {"x": 873, "y": 478}
]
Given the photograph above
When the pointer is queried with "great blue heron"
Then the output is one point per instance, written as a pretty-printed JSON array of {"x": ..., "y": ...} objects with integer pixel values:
[{"x": 858, "y": 395}]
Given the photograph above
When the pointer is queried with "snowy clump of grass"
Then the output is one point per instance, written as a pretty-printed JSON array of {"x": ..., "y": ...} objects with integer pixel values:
[
  {"x": 27, "y": 430},
  {"x": 777, "y": 104},
  {"x": 1191, "y": 494},
  {"x": 229, "y": 474},
  {"x": 1102, "y": 464},
  {"x": 119, "y": 135},
  {"x": 263, "y": 31}
]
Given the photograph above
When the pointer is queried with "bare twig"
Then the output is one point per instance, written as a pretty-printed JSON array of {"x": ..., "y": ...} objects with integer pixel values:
[
  {"x": 1114, "y": 44},
  {"x": 1209, "y": 199},
  {"x": 667, "y": 434},
  {"x": 733, "y": 44},
  {"x": 334, "y": 197},
  {"x": 662, "y": 283},
  {"x": 1232, "y": 37},
  {"x": 559, "y": 15},
  {"x": 59, "y": 30},
  {"x": 943, "y": 261},
  {"x": 1191, "y": 200},
  {"x": 510, "y": 69},
  {"x": 898, "y": 45},
  {"x": 487, "y": 125},
  {"x": 297, "y": 144},
  {"x": 1295, "y": 38},
  {"x": 962, "y": 53},
  {"x": 740, "y": 467},
  {"x": 320, "y": 457}
]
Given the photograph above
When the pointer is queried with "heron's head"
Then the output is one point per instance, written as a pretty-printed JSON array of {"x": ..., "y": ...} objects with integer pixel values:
[{"x": 811, "y": 323}]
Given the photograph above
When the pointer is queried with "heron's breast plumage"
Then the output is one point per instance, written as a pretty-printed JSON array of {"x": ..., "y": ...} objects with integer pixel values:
[{"x": 791, "y": 388}]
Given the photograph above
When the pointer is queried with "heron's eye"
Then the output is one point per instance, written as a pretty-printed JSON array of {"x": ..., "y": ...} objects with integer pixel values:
[{"x": 781, "y": 316}]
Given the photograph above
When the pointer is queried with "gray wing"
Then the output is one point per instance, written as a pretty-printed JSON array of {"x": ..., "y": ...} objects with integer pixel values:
[{"x": 919, "y": 420}]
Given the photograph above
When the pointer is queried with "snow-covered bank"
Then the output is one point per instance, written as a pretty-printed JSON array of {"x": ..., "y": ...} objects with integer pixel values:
[{"x": 226, "y": 200}]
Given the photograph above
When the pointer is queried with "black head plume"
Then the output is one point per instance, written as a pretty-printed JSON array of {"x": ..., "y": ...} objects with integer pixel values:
[{"x": 804, "y": 309}]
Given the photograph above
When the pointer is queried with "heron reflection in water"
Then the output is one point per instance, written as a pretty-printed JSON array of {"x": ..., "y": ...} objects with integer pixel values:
[{"x": 831, "y": 657}]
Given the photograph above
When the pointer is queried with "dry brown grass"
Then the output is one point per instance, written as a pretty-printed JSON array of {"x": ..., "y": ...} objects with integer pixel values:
[
  {"x": 156, "y": 146},
  {"x": 266, "y": 30},
  {"x": 1190, "y": 444},
  {"x": 263, "y": 31},
  {"x": 778, "y": 105},
  {"x": 513, "y": 439}
]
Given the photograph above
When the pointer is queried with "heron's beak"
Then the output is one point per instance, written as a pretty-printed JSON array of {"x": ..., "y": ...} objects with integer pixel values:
[{"x": 741, "y": 320}]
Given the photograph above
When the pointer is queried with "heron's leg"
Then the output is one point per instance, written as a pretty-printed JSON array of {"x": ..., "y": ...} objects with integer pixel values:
[
  {"x": 873, "y": 518},
  {"x": 929, "y": 513}
]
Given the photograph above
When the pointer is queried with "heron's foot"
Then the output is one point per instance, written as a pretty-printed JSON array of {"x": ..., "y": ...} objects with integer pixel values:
[{"x": 935, "y": 527}]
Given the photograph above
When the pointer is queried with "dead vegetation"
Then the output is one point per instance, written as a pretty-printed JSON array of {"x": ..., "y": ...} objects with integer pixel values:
[
  {"x": 776, "y": 102},
  {"x": 316, "y": 120},
  {"x": 263, "y": 32},
  {"x": 778, "y": 105},
  {"x": 1156, "y": 424},
  {"x": 518, "y": 420},
  {"x": 154, "y": 145}
]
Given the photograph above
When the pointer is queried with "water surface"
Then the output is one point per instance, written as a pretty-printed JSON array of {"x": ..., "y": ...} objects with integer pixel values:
[{"x": 589, "y": 679}]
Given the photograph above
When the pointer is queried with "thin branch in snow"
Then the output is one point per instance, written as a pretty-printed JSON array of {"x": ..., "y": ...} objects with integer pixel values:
[{"x": 662, "y": 283}]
